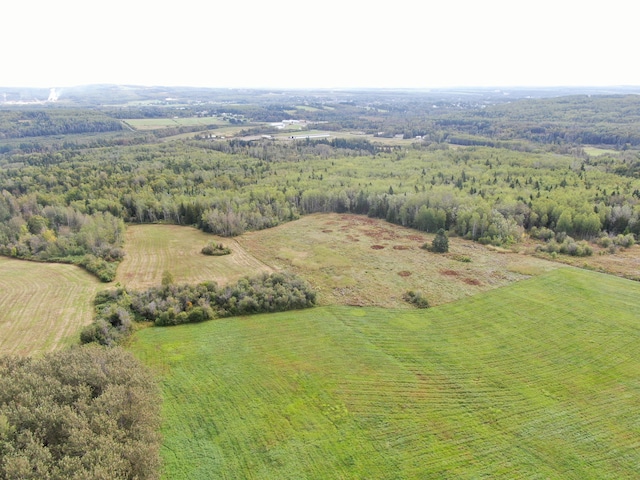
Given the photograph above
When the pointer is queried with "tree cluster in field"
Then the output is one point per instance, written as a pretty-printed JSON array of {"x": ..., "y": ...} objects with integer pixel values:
[
  {"x": 172, "y": 304},
  {"x": 86, "y": 412},
  {"x": 416, "y": 299},
  {"x": 215, "y": 249}
]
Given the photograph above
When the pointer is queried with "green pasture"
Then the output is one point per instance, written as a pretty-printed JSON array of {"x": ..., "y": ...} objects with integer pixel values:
[
  {"x": 595, "y": 151},
  {"x": 538, "y": 379}
]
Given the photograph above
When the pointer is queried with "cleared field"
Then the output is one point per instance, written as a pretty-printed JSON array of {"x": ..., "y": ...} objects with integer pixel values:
[
  {"x": 160, "y": 123},
  {"x": 43, "y": 306},
  {"x": 535, "y": 380},
  {"x": 154, "y": 249},
  {"x": 356, "y": 260}
]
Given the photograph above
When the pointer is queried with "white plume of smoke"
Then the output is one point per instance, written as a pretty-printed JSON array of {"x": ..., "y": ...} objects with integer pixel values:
[{"x": 53, "y": 95}]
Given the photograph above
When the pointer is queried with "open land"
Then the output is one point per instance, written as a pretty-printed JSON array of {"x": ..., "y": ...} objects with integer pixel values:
[
  {"x": 43, "y": 305},
  {"x": 534, "y": 380}
]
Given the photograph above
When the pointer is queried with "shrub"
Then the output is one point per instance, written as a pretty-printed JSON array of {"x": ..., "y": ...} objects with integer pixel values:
[
  {"x": 215, "y": 249},
  {"x": 416, "y": 299}
]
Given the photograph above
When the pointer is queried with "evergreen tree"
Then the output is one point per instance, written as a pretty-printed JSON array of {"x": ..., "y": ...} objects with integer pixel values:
[{"x": 440, "y": 243}]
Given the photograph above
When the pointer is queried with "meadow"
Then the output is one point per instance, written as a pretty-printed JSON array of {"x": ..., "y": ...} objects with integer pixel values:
[
  {"x": 534, "y": 380},
  {"x": 44, "y": 306},
  {"x": 356, "y": 260}
]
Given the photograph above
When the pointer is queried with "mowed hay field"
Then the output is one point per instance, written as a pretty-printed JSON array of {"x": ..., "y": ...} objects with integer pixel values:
[
  {"x": 356, "y": 260},
  {"x": 44, "y": 306},
  {"x": 539, "y": 379},
  {"x": 153, "y": 249}
]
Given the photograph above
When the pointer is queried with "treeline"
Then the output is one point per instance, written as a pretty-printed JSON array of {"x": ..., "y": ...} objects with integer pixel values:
[
  {"x": 481, "y": 193},
  {"x": 45, "y": 122},
  {"x": 86, "y": 412},
  {"x": 611, "y": 120},
  {"x": 31, "y": 231},
  {"x": 170, "y": 304}
]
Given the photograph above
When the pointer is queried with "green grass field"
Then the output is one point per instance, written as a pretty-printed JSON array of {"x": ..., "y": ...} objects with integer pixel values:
[
  {"x": 43, "y": 306},
  {"x": 539, "y": 379}
]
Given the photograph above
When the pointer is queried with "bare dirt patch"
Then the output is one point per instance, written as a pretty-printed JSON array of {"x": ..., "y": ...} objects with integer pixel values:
[
  {"x": 451, "y": 273},
  {"x": 377, "y": 247},
  {"x": 404, "y": 273},
  {"x": 327, "y": 231},
  {"x": 472, "y": 281}
]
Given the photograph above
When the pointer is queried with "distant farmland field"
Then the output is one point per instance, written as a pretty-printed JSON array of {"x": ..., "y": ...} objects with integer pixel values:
[
  {"x": 538, "y": 379},
  {"x": 43, "y": 306},
  {"x": 160, "y": 123}
]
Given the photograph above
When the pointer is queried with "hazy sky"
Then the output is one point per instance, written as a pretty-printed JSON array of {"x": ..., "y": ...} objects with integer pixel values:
[{"x": 330, "y": 43}]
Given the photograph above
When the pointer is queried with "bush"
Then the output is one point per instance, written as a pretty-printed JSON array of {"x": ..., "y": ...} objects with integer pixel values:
[
  {"x": 567, "y": 247},
  {"x": 416, "y": 299},
  {"x": 215, "y": 249},
  {"x": 172, "y": 304}
]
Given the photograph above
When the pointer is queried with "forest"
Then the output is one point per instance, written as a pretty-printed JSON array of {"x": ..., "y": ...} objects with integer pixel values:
[
  {"x": 557, "y": 168},
  {"x": 523, "y": 170}
]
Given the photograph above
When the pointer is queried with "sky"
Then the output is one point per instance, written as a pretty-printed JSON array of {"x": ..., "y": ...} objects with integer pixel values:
[{"x": 328, "y": 44}]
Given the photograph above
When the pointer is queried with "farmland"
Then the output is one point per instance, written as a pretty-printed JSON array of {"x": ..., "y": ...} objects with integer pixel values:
[
  {"x": 154, "y": 249},
  {"x": 523, "y": 367},
  {"x": 43, "y": 306},
  {"x": 534, "y": 380}
]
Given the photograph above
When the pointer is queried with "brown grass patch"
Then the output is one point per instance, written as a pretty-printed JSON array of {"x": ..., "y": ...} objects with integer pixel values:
[
  {"x": 451, "y": 273},
  {"x": 472, "y": 281},
  {"x": 358, "y": 257},
  {"x": 327, "y": 231},
  {"x": 404, "y": 273}
]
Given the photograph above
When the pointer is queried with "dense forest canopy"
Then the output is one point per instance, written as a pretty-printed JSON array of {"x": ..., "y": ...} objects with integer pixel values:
[
  {"x": 87, "y": 412},
  {"x": 487, "y": 167}
]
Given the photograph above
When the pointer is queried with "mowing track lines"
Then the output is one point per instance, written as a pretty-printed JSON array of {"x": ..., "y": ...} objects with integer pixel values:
[
  {"x": 44, "y": 305},
  {"x": 154, "y": 249}
]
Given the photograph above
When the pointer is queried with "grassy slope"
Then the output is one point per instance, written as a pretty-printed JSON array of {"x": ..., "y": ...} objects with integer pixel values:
[
  {"x": 356, "y": 260},
  {"x": 43, "y": 306},
  {"x": 535, "y": 380}
]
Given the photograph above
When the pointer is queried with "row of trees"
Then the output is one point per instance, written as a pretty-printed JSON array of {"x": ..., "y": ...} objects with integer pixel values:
[{"x": 171, "y": 304}]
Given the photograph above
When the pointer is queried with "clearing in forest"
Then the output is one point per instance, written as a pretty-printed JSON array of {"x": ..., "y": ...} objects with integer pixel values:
[
  {"x": 357, "y": 260},
  {"x": 153, "y": 249},
  {"x": 44, "y": 305}
]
